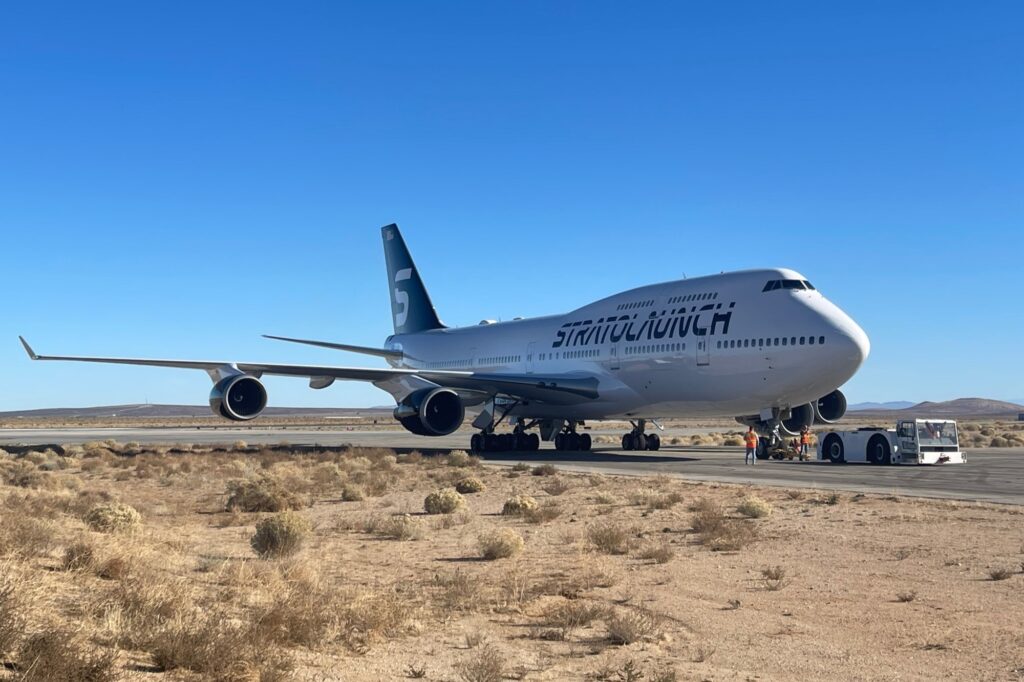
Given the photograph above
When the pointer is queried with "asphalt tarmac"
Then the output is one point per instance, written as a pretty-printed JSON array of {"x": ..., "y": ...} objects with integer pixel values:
[{"x": 990, "y": 475}]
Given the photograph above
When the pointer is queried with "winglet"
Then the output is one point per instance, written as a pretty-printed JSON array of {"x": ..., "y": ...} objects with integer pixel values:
[{"x": 28, "y": 349}]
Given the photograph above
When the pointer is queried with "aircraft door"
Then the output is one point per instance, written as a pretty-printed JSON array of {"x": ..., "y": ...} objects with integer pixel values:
[
  {"x": 531, "y": 348},
  {"x": 613, "y": 356},
  {"x": 703, "y": 350}
]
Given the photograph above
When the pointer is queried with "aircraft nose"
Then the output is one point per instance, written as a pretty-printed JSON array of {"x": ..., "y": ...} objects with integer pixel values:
[{"x": 851, "y": 345}]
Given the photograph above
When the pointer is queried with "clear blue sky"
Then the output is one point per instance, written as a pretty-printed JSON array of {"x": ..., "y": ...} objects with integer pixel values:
[{"x": 178, "y": 178}]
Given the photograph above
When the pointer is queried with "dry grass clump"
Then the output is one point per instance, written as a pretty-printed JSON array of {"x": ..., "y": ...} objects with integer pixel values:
[
  {"x": 445, "y": 501},
  {"x": 906, "y": 597},
  {"x": 402, "y": 527},
  {"x": 542, "y": 514},
  {"x": 609, "y": 537},
  {"x": 485, "y": 665},
  {"x": 568, "y": 616},
  {"x": 1000, "y": 573},
  {"x": 517, "y": 505},
  {"x": 263, "y": 494},
  {"x": 23, "y": 536},
  {"x": 500, "y": 544},
  {"x": 462, "y": 459},
  {"x": 113, "y": 517},
  {"x": 79, "y": 556},
  {"x": 217, "y": 648},
  {"x": 280, "y": 535},
  {"x": 457, "y": 591},
  {"x": 470, "y": 485},
  {"x": 653, "y": 500},
  {"x": 774, "y": 578},
  {"x": 658, "y": 552},
  {"x": 13, "y": 607},
  {"x": 754, "y": 508},
  {"x": 544, "y": 470},
  {"x": 350, "y": 492},
  {"x": 556, "y": 487},
  {"x": 23, "y": 474},
  {"x": 627, "y": 626},
  {"x": 520, "y": 467},
  {"x": 717, "y": 531},
  {"x": 60, "y": 655}
]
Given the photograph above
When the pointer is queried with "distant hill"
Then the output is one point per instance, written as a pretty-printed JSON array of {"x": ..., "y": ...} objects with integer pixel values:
[
  {"x": 966, "y": 407},
  {"x": 892, "y": 405},
  {"x": 126, "y": 411}
]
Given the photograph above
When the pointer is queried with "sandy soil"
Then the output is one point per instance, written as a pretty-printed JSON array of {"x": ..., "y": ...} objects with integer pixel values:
[{"x": 871, "y": 587}]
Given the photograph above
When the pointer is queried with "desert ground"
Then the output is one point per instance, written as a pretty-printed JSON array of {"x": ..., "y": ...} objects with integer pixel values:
[{"x": 120, "y": 561}]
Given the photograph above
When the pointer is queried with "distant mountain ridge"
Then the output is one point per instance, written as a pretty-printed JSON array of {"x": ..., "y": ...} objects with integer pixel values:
[
  {"x": 127, "y": 411},
  {"x": 892, "y": 405},
  {"x": 961, "y": 407}
]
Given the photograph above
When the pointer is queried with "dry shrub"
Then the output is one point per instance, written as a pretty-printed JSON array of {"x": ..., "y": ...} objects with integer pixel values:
[
  {"x": 754, "y": 508},
  {"x": 113, "y": 517},
  {"x": 114, "y": 568},
  {"x": 628, "y": 626},
  {"x": 717, "y": 531},
  {"x": 263, "y": 494},
  {"x": 469, "y": 485},
  {"x": 545, "y": 470},
  {"x": 351, "y": 492},
  {"x": 570, "y": 615},
  {"x": 445, "y": 501},
  {"x": 414, "y": 457},
  {"x": 12, "y": 610},
  {"x": 217, "y": 649},
  {"x": 300, "y": 614},
  {"x": 609, "y": 537},
  {"x": 280, "y": 535},
  {"x": 906, "y": 597},
  {"x": 500, "y": 544},
  {"x": 659, "y": 553},
  {"x": 24, "y": 537},
  {"x": 774, "y": 578},
  {"x": 556, "y": 487},
  {"x": 368, "y": 616},
  {"x": 542, "y": 514},
  {"x": 462, "y": 459},
  {"x": 79, "y": 556},
  {"x": 520, "y": 467},
  {"x": 447, "y": 521},
  {"x": 517, "y": 505},
  {"x": 402, "y": 527},
  {"x": 458, "y": 591},
  {"x": 60, "y": 655},
  {"x": 23, "y": 474},
  {"x": 663, "y": 501},
  {"x": 1000, "y": 573},
  {"x": 486, "y": 665},
  {"x": 605, "y": 498}
]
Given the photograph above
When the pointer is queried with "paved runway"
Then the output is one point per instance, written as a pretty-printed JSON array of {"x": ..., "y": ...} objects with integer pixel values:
[{"x": 990, "y": 475}]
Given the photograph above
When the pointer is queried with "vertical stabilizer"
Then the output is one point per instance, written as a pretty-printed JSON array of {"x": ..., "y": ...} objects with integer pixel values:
[{"x": 411, "y": 308}]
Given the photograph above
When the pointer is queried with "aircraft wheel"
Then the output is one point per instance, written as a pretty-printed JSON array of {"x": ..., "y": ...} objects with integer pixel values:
[
  {"x": 764, "y": 446},
  {"x": 533, "y": 442},
  {"x": 653, "y": 442},
  {"x": 476, "y": 442},
  {"x": 572, "y": 441},
  {"x": 627, "y": 441},
  {"x": 559, "y": 441},
  {"x": 640, "y": 441},
  {"x": 585, "y": 442}
]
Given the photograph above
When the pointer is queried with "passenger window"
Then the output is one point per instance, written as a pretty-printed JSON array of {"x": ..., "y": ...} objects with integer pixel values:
[
  {"x": 801, "y": 340},
  {"x": 821, "y": 339},
  {"x": 792, "y": 341},
  {"x": 810, "y": 340},
  {"x": 783, "y": 341}
]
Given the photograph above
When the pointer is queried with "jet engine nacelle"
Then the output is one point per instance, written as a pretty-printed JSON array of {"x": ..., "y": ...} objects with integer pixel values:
[
  {"x": 830, "y": 409},
  {"x": 431, "y": 412},
  {"x": 238, "y": 398},
  {"x": 799, "y": 417}
]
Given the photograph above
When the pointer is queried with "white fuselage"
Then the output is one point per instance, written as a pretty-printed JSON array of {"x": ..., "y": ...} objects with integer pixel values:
[{"x": 710, "y": 346}]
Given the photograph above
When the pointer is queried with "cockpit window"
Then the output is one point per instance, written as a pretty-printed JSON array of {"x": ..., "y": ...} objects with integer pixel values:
[{"x": 796, "y": 284}]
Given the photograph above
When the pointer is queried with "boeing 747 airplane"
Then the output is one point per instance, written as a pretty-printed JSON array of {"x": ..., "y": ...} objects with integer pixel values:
[{"x": 763, "y": 346}]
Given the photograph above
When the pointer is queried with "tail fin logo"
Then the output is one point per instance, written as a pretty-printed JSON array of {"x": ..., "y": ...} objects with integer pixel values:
[{"x": 402, "y": 298}]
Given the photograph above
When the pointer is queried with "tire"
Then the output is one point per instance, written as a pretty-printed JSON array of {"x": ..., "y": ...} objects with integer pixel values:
[
  {"x": 627, "y": 441},
  {"x": 585, "y": 442},
  {"x": 653, "y": 442},
  {"x": 559, "y": 441},
  {"x": 490, "y": 442},
  {"x": 572, "y": 441},
  {"x": 476, "y": 443},
  {"x": 763, "y": 448},
  {"x": 640, "y": 441},
  {"x": 833, "y": 449},
  {"x": 879, "y": 451},
  {"x": 534, "y": 442}
]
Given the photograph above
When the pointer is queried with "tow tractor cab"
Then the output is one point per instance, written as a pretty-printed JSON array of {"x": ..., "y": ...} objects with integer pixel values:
[{"x": 913, "y": 441}]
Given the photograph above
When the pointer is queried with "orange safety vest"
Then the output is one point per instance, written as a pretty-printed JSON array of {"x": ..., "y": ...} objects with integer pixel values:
[
  {"x": 805, "y": 438},
  {"x": 751, "y": 439}
]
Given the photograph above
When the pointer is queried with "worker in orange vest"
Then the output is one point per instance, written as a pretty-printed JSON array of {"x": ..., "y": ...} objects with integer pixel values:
[
  {"x": 805, "y": 441},
  {"x": 750, "y": 438}
]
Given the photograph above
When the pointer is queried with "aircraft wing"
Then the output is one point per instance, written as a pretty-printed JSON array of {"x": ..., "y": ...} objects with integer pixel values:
[{"x": 560, "y": 389}]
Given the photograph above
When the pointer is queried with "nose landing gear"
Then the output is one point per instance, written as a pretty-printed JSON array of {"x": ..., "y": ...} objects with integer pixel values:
[{"x": 638, "y": 440}]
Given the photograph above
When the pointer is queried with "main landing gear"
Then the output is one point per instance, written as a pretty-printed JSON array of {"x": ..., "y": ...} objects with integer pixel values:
[
  {"x": 569, "y": 440},
  {"x": 519, "y": 441},
  {"x": 638, "y": 440}
]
